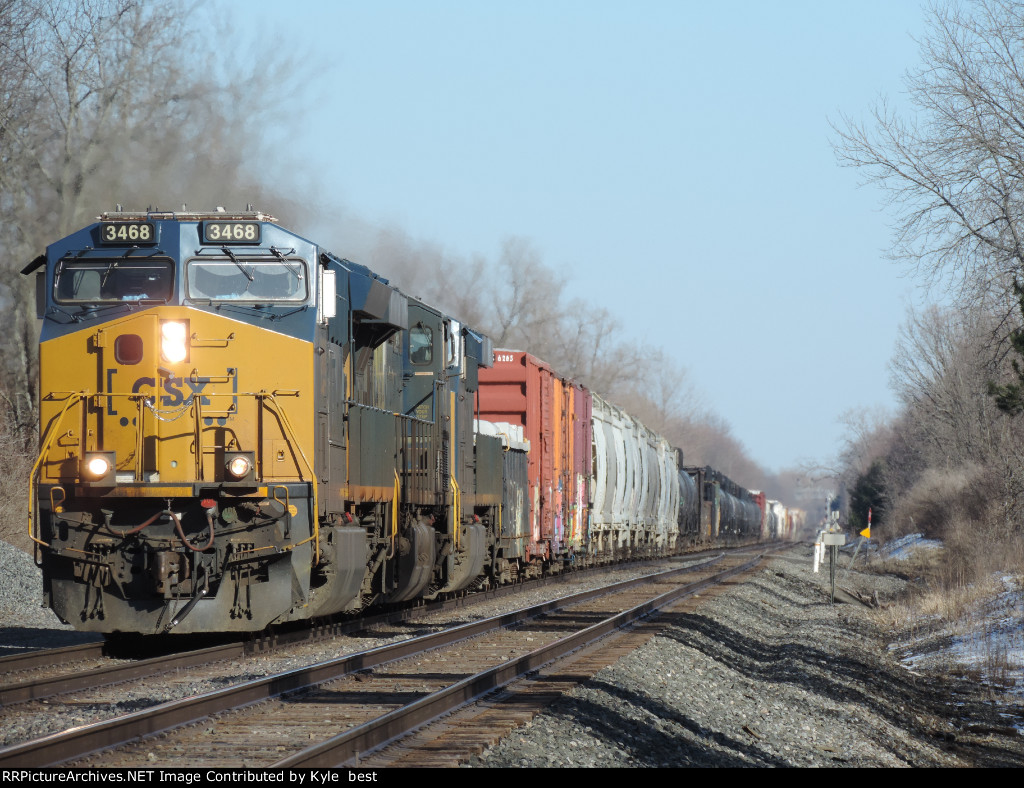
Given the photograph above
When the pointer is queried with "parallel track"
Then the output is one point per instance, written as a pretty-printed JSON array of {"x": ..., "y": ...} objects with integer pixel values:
[
  {"x": 46, "y": 673},
  {"x": 300, "y": 709},
  {"x": 432, "y": 745}
]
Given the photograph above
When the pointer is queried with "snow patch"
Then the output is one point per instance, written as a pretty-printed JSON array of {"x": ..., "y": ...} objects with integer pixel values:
[
  {"x": 986, "y": 642},
  {"x": 904, "y": 547}
]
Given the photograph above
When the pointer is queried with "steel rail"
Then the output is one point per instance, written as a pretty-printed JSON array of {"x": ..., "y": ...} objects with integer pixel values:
[
  {"x": 24, "y": 691},
  {"x": 345, "y": 748},
  {"x": 39, "y": 658},
  {"x": 86, "y": 739}
]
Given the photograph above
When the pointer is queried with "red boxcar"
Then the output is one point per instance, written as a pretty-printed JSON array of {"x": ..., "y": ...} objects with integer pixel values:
[{"x": 555, "y": 414}]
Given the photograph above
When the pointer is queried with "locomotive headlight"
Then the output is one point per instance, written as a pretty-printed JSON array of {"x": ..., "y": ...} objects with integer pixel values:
[
  {"x": 240, "y": 466},
  {"x": 174, "y": 341},
  {"x": 97, "y": 468}
]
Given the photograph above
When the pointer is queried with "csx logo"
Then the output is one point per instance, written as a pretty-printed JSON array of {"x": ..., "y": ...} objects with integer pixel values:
[{"x": 175, "y": 391}]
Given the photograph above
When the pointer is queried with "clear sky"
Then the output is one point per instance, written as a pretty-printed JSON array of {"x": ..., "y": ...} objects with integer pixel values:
[{"x": 671, "y": 158}]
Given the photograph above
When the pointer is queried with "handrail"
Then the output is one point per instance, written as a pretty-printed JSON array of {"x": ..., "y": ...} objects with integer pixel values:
[
  {"x": 48, "y": 438},
  {"x": 456, "y": 511},
  {"x": 287, "y": 502},
  {"x": 315, "y": 520},
  {"x": 197, "y": 430},
  {"x": 394, "y": 515}
]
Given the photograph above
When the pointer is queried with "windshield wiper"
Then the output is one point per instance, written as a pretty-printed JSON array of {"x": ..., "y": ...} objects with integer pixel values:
[
  {"x": 89, "y": 310},
  {"x": 108, "y": 272},
  {"x": 116, "y": 262},
  {"x": 74, "y": 318},
  {"x": 286, "y": 262},
  {"x": 288, "y": 314},
  {"x": 236, "y": 261}
]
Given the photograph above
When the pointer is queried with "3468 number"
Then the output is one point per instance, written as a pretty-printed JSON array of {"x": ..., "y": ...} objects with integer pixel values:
[
  {"x": 239, "y": 232},
  {"x": 122, "y": 232}
]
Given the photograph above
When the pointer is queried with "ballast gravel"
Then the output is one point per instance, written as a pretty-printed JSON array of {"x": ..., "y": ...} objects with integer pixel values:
[
  {"x": 26, "y": 625},
  {"x": 770, "y": 673},
  {"x": 765, "y": 673}
]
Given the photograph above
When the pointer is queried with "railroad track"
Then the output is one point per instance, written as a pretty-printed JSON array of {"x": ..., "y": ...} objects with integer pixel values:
[
  {"x": 365, "y": 699},
  {"x": 62, "y": 671},
  {"x": 47, "y": 673},
  {"x": 51, "y": 690}
]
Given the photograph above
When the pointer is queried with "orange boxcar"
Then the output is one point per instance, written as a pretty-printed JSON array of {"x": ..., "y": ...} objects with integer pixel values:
[{"x": 555, "y": 414}]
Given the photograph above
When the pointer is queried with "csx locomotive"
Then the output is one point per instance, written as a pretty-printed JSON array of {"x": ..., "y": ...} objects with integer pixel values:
[{"x": 239, "y": 429}]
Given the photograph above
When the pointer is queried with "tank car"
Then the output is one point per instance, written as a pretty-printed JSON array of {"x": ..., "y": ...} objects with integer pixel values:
[
  {"x": 239, "y": 428},
  {"x": 637, "y": 495},
  {"x": 691, "y": 505}
]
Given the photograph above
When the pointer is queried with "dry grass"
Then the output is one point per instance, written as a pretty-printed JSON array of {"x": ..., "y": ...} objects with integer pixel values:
[
  {"x": 922, "y": 606},
  {"x": 943, "y": 498},
  {"x": 950, "y": 602},
  {"x": 963, "y": 507},
  {"x": 948, "y": 581},
  {"x": 15, "y": 468}
]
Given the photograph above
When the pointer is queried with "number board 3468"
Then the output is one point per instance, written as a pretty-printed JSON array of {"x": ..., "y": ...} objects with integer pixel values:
[
  {"x": 122, "y": 233},
  {"x": 231, "y": 232}
]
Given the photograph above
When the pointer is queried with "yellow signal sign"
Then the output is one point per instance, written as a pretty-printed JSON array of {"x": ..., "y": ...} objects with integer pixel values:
[{"x": 866, "y": 533}]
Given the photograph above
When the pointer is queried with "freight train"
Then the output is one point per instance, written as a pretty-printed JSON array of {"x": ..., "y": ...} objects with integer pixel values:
[{"x": 240, "y": 429}]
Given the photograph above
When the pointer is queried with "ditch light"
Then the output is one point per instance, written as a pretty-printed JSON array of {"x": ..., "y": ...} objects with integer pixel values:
[{"x": 97, "y": 468}]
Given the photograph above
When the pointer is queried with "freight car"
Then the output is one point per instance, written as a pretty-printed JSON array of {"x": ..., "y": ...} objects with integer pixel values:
[{"x": 239, "y": 429}]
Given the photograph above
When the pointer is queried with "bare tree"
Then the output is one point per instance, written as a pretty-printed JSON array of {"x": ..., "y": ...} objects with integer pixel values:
[
  {"x": 102, "y": 76},
  {"x": 526, "y": 303},
  {"x": 951, "y": 424},
  {"x": 104, "y": 102},
  {"x": 868, "y": 433},
  {"x": 940, "y": 371},
  {"x": 954, "y": 169},
  {"x": 108, "y": 101}
]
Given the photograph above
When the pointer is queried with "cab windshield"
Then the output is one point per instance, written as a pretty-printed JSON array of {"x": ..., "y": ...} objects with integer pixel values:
[
  {"x": 247, "y": 278},
  {"x": 105, "y": 280}
]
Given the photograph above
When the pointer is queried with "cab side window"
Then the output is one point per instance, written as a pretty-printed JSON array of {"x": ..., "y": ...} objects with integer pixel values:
[{"x": 421, "y": 341}]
